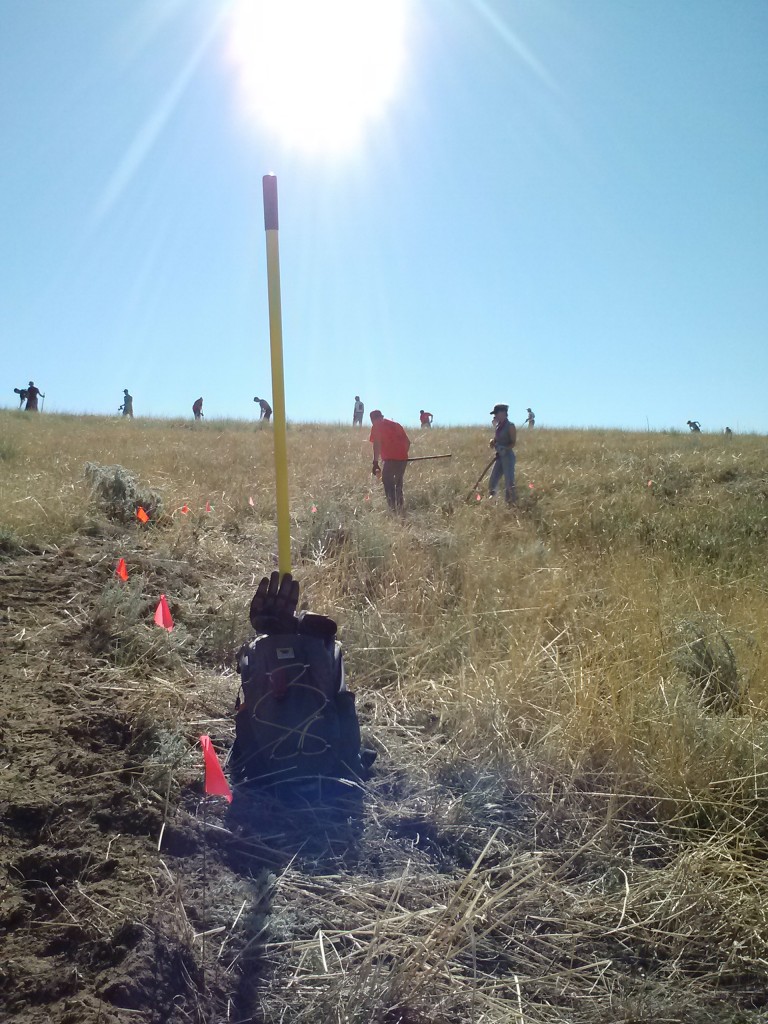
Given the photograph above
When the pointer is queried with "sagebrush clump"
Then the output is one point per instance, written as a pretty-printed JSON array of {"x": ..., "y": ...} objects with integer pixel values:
[{"x": 119, "y": 495}]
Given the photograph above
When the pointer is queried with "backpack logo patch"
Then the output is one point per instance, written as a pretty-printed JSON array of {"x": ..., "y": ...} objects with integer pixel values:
[{"x": 297, "y": 720}]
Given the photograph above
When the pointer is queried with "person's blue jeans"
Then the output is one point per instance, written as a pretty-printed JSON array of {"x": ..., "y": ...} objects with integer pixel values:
[{"x": 504, "y": 466}]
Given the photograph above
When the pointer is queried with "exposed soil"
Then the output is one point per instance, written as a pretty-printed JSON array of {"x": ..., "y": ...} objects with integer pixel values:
[
  {"x": 129, "y": 896},
  {"x": 124, "y": 900}
]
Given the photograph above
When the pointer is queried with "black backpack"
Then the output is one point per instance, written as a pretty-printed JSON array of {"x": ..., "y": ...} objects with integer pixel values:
[{"x": 297, "y": 721}]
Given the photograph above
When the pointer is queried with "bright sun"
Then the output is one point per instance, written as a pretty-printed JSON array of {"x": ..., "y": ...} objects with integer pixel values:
[{"x": 316, "y": 71}]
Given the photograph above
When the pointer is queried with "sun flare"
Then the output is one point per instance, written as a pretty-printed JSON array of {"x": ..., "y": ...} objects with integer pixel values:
[{"x": 316, "y": 73}]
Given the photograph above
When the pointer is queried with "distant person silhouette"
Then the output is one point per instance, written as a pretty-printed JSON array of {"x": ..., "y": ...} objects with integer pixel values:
[
  {"x": 127, "y": 407},
  {"x": 425, "y": 419},
  {"x": 530, "y": 419},
  {"x": 694, "y": 425},
  {"x": 22, "y": 393},
  {"x": 266, "y": 409},
  {"x": 31, "y": 397},
  {"x": 728, "y": 432},
  {"x": 357, "y": 412},
  {"x": 197, "y": 408}
]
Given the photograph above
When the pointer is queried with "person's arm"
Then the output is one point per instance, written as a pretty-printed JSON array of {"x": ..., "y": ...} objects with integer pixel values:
[
  {"x": 375, "y": 441},
  {"x": 512, "y": 435}
]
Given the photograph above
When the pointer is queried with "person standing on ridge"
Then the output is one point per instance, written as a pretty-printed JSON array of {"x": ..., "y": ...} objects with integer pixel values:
[
  {"x": 265, "y": 407},
  {"x": 127, "y": 407},
  {"x": 425, "y": 419},
  {"x": 530, "y": 419},
  {"x": 390, "y": 444},
  {"x": 197, "y": 408},
  {"x": 31, "y": 397},
  {"x": 694, "y": 425},
  {"x": 357, "y": 414},
  {"x": 504, "y": 442}
]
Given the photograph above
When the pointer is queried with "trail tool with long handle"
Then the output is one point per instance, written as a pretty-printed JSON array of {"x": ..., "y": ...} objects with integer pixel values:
[{"x": 473, "y": 492}]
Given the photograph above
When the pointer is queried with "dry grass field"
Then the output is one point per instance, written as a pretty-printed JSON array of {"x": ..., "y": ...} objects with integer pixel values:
[{"x": 568, "y": 817}]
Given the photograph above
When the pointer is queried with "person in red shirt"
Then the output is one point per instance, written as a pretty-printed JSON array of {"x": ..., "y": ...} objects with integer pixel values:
[
  {"x": 390, "y": 444},
  {"x": 197, "y": 408},
  {"x": 425, "y": 418}
]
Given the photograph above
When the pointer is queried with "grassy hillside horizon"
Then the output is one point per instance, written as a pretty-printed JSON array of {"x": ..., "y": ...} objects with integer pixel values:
[
  {"x": 569, "y": 698},
  {"x": 248, "y": 422}
]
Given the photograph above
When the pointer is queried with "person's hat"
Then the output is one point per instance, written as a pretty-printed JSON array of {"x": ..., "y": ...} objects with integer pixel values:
[{"x": 499, "y": 408}]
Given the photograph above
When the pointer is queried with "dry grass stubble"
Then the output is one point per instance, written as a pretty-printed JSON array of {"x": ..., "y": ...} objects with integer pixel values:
[{"x": 586, "y": 832}]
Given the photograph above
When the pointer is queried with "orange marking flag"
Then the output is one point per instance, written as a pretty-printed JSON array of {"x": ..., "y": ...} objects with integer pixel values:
[
  {"x": 215, "y": 781},
  {"x": 184, "y": 509},
  {"x": 141, "y": 515},
  {"x": 208, "y": 507},
  {"x": 163, "y": 616},
  {"x": 122, "y": 569}
]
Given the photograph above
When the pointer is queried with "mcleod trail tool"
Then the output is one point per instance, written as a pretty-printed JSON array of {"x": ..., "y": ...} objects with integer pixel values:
[
  {"x": 479, "y": 480},
  {"x": 269, "y": 183}
]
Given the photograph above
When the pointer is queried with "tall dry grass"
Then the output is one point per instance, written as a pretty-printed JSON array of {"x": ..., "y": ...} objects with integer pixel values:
[
  {"x": 600, "y": 651},
  {"x": 558, "y": 635}
]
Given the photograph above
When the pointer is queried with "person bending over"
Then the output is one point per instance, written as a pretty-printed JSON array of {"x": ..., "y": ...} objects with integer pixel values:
[{"x": 390, "y": 444}]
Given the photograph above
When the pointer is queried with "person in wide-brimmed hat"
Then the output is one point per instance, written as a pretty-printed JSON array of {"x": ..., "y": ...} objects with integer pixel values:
[{"x": 503, "y": 441}]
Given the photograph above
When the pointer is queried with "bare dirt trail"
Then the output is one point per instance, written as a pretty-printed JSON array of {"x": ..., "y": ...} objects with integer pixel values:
[
  {"x": 76, "y": 832},
  {"x": 98, "y": 925}
]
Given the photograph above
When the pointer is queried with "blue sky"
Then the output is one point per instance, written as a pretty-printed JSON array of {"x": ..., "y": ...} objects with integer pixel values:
[{"x": 564, "y": 205}]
